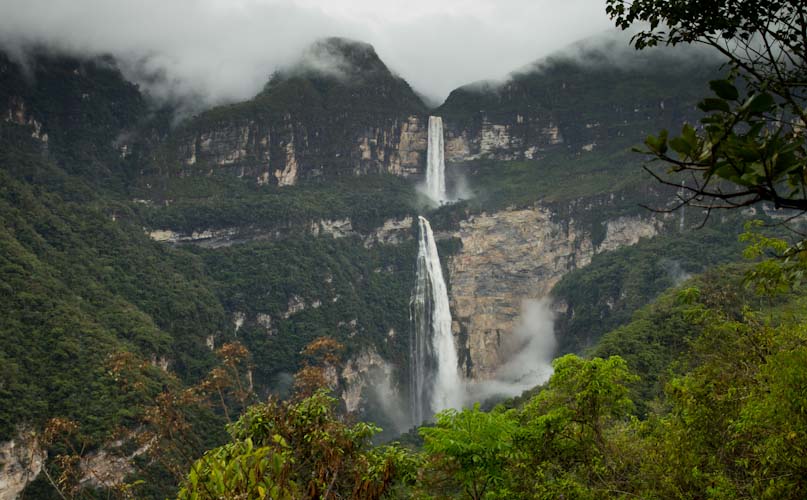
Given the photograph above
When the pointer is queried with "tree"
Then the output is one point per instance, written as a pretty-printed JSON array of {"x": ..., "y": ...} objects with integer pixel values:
[
  {"x": 566, "y": 430},
  {"x": 297, "y": 449},
  {"x": 320, "y": 358},
  {"x": 733, "y": 423},
  {"x": 751, "y": 147},
  {"x": 472, "y": 447}
]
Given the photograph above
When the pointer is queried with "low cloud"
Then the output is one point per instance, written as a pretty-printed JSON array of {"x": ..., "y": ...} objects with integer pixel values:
[{"x": 217, "y": 51}]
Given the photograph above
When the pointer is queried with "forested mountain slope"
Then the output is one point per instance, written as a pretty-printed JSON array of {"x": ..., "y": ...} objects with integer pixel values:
[{"x": 131, "y": 240}]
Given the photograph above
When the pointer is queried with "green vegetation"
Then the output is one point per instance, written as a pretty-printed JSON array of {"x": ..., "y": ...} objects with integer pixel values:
[
  {"x": 689, "y": 393},
  {"x": 78, "y": 286},
  {"x": 358, "y": 83},
  {"x": 752, "y": 138},
  {"x": 606, "y": 293},
  {"x": 86, "y": 106},
  {"x": 297, "y": 449},
  {"x": 727, "y": 421},
  {"x": 198, "y": 203},
  {"x": 83, "y": 285},
  {"x": 589, "y": 88},
  {"x": 348, "y": 291},
  {"x": 475, "y": 445},
  {"x": 339, "y": 91},
  {"x": 558, "y": 177}
]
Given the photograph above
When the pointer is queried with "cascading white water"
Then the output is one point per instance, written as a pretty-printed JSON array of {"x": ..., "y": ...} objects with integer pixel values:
[
  {"x": 435, "y": 164},
  {"x": 435, "y": 379}
]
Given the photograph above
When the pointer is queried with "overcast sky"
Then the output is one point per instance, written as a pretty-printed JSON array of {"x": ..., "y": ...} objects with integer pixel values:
[{"x": 224, "y": 50}]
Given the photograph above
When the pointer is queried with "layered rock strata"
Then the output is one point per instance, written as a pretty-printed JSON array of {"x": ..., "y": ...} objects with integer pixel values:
[{"x": 511, "y": 256}]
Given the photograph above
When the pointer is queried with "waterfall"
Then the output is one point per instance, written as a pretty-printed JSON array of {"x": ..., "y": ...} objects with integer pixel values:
[
  {"x": 435, "y": 165},
  {"x": 681, "y": 194},
  {"x": 435, "y": 382}
]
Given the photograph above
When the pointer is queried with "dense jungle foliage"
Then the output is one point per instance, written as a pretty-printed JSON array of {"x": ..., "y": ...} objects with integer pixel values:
[
  {"x": 104, "y": 331},
  {"x": 83, "y": 285},
  {"x": 174, "y": 357},
  {"x": 704, "y": 399},
  {"x": 701, "y": 395}
]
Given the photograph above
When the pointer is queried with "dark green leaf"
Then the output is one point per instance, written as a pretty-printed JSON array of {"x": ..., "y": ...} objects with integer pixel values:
[
  {"x": 680, "y": 145},
  {"x": 760, "y": 103},
  {"x": 724, "y": 89},
  {"x": 713, "y": 104}
]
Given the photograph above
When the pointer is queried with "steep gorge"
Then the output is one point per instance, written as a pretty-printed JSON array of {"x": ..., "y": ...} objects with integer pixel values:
[
  {"x": 262, "y": 232},
  {"x": 506, "y": 253}
]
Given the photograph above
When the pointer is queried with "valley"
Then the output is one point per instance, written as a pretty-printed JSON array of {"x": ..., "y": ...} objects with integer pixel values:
[{"x": 139, "y": 246}]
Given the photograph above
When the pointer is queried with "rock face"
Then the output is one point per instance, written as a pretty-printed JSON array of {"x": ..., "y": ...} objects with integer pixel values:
[
  {"x": 21, "y": 461},
  {"x": 563, "y": 103},
  {"x": 109, "y": 466},
  {"x": 390, "y": 232},
  {"x": 513, "y": 138},
  {"x": 340, "y": 111},
  {"x": 67, "y": 104},
  {"x": 359, "y": 373},
  {"x": 511, "y": 256},
  {"x": 18, "y": 114},
  {"x": 211, "y": 238},
  {"x": 293, "y": 149}
]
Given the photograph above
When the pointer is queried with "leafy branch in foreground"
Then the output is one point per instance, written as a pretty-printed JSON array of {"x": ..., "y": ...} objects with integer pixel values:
[{"x": 750, "y": 148}]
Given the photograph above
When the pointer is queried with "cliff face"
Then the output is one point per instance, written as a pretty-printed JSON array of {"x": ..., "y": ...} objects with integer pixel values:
[
  {"x": 391, "y": 231},
  {"x": 75, "y": 110},
  {"x": 515, "y": 255},
  {"x": 340, "y": 111},
  {"x": 366, "y": 370},
  {"x": 284, "y": 153},
  {"x": 21, "y": 461},
  {"x": 315, "y": 266},
  {"x": 516, "y": 137},
  {"x": 18, "y": 114},
  {"x": 576, "y": 103}
]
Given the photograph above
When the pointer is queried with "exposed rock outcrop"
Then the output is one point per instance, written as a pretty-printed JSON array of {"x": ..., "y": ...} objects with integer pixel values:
[
  {"x": 238, "y": 320},
  {"x": 514, "y": 139},
  {"x": 572, "y": 103},
  {"x": 355, "y": 117},
  {"x": 338, "y": 112},
  {"x": 337, "y": 228},
  {"x": 18, "y": 114},
  {"x": 295, "y": 149},
  {"x": 359, "y": 373},
  {"x": 264, "y": 320},
  {"x": 627, "y": 231},
  {"x": 108, "y": 467},
  {"x": 211, "y": 238},
  {"x": 296, "y": 304},
  {"x": 511, "y": 256},
  {"x": 21, "y": 460},
  {"x": 390, "y": 232}
]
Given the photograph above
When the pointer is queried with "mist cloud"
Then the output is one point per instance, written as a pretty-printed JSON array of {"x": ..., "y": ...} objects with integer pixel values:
[
  {"x": 225, "y": 50},
  {"x": 529, "y": 361}
]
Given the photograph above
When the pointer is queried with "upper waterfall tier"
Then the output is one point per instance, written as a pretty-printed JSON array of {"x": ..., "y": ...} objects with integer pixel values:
[{"x": 436, "y": 166}]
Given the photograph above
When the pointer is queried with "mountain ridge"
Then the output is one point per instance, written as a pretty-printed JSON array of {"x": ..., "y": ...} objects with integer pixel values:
[{"x": 318, "y": 168}]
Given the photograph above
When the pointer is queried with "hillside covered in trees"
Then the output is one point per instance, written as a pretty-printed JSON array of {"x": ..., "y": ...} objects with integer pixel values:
[{"x": 220, "y": 304}]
